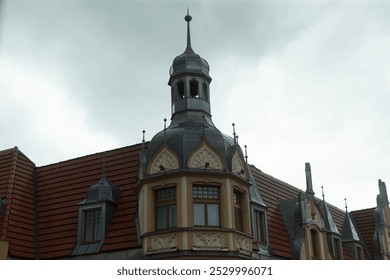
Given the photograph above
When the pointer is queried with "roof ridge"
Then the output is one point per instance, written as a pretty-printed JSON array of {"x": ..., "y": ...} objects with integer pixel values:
[{"x": 94, "y": 154}]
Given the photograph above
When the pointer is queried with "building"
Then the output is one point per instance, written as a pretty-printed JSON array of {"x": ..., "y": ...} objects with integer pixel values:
[{"x": 189, "y": 193}]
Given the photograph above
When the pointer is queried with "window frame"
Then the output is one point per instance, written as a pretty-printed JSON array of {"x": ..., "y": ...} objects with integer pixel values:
[
  {"x": 337, "y": 248},
  {"x": 359, "y": 252},
  {"x": 167, "y": 204},
  {"x": 315, "y": 252},
  {"x": 207, "y": 190},
  {"x": 96, "y": 234},
  {"x": 260, "y": 229},
  {"x": 238, "y": 210}
]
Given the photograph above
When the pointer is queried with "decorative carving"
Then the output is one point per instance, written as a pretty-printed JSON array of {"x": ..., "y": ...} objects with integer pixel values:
[
  {"x": 205, "y": 158},
  {"x": 164, "y": 161},
  {"x": 238, "y": 165},
  {"x": 242, "y": 243},
  {"x": 164, "y": 241},
  {"x": 208, "y": 239}
]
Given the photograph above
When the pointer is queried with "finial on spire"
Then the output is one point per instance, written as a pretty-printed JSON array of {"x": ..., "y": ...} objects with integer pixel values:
[
  {"x": 234, "y": 134},
  {"x": 188, "y": 18},
  {"x": 346, "y": 207},
  {"x": 246, "y": 154},
  {"x": 165, "y": 128},
  {"x": 143, "y": 141},
  {"x": 323, "y": 195}
]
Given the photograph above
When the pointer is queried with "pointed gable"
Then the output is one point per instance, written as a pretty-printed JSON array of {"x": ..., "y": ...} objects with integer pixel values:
[
  {"x": 329, "y": 224},
  {"x": 350, "y": 232},
  {"x": 205, "y": 156},
  {"x": 164, "y": 160},
  {"x": 17, "y": 193}
]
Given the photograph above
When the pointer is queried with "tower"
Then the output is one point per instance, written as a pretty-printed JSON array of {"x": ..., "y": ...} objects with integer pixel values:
[{"x": 195, "y": 186}]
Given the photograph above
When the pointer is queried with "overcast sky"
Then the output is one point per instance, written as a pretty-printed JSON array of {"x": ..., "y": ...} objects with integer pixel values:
[{"x": 304, "y": 81}]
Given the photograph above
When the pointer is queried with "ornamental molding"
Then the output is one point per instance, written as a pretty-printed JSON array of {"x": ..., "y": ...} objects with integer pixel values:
[
  {"x": 243, "y": 243},
  {"x": 164, "y": 241},
  {"x": 164, "y": 160},
  {"x": 238, "y": 165},
  {"x": 208, "y": 239},
  {"x": 205, "y": 157}
]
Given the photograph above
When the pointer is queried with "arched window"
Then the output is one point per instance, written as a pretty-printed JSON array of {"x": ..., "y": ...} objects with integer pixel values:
[
  {"x": 194, "y": 89},
  {"x": 180, "y": 90},
  {"x": 205, "y": 92}
]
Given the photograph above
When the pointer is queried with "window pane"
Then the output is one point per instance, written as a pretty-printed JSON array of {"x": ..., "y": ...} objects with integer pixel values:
[
  {"x": 172, "y": 216},
  {"x": 260, "y": 227},
  {"x": 213, "y": 214},
  {"x": 199, "y": 215},
  {"x": 98, "y": 224},
  {"x": 92, "y": 225},
  {"x": 88, "y": 232},
  {"x": 161, "y": 217}
]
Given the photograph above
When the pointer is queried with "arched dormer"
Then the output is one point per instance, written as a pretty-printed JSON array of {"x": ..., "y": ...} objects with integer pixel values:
[
  {"x": 163, "y": 160},
  {"x": 206, "y": 156}
]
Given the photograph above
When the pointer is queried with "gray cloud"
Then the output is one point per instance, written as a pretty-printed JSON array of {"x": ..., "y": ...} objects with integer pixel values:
[{"x": 303, "y": 80}]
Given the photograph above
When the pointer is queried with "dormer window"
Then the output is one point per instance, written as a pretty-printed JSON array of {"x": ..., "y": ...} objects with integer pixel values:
[
  {"x": 359, "y": 252},
  {"x": 337, "y": 251},
  {"x": 315, "y": 244},
  {"x": 95, "y": 215},
  {"x": 260, "y": 232},
  {"x": 92, "y": 225}
]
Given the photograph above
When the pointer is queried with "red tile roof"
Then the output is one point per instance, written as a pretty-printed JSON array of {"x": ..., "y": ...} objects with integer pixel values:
[
  {"x": 16, "y": 184},
  {"x": 63, "y": 185},
  {"x": 272, "y": 190},
  {"x": 365, "y": 221}
]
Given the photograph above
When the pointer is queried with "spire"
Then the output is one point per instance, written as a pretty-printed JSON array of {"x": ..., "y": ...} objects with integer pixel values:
[{"x": 188, "y": 18}]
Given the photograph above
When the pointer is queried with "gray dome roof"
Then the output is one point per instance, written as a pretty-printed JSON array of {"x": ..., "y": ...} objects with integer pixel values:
[
  {"x": 186, "y": 134},
  {"x": 189, "y": 62}
]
